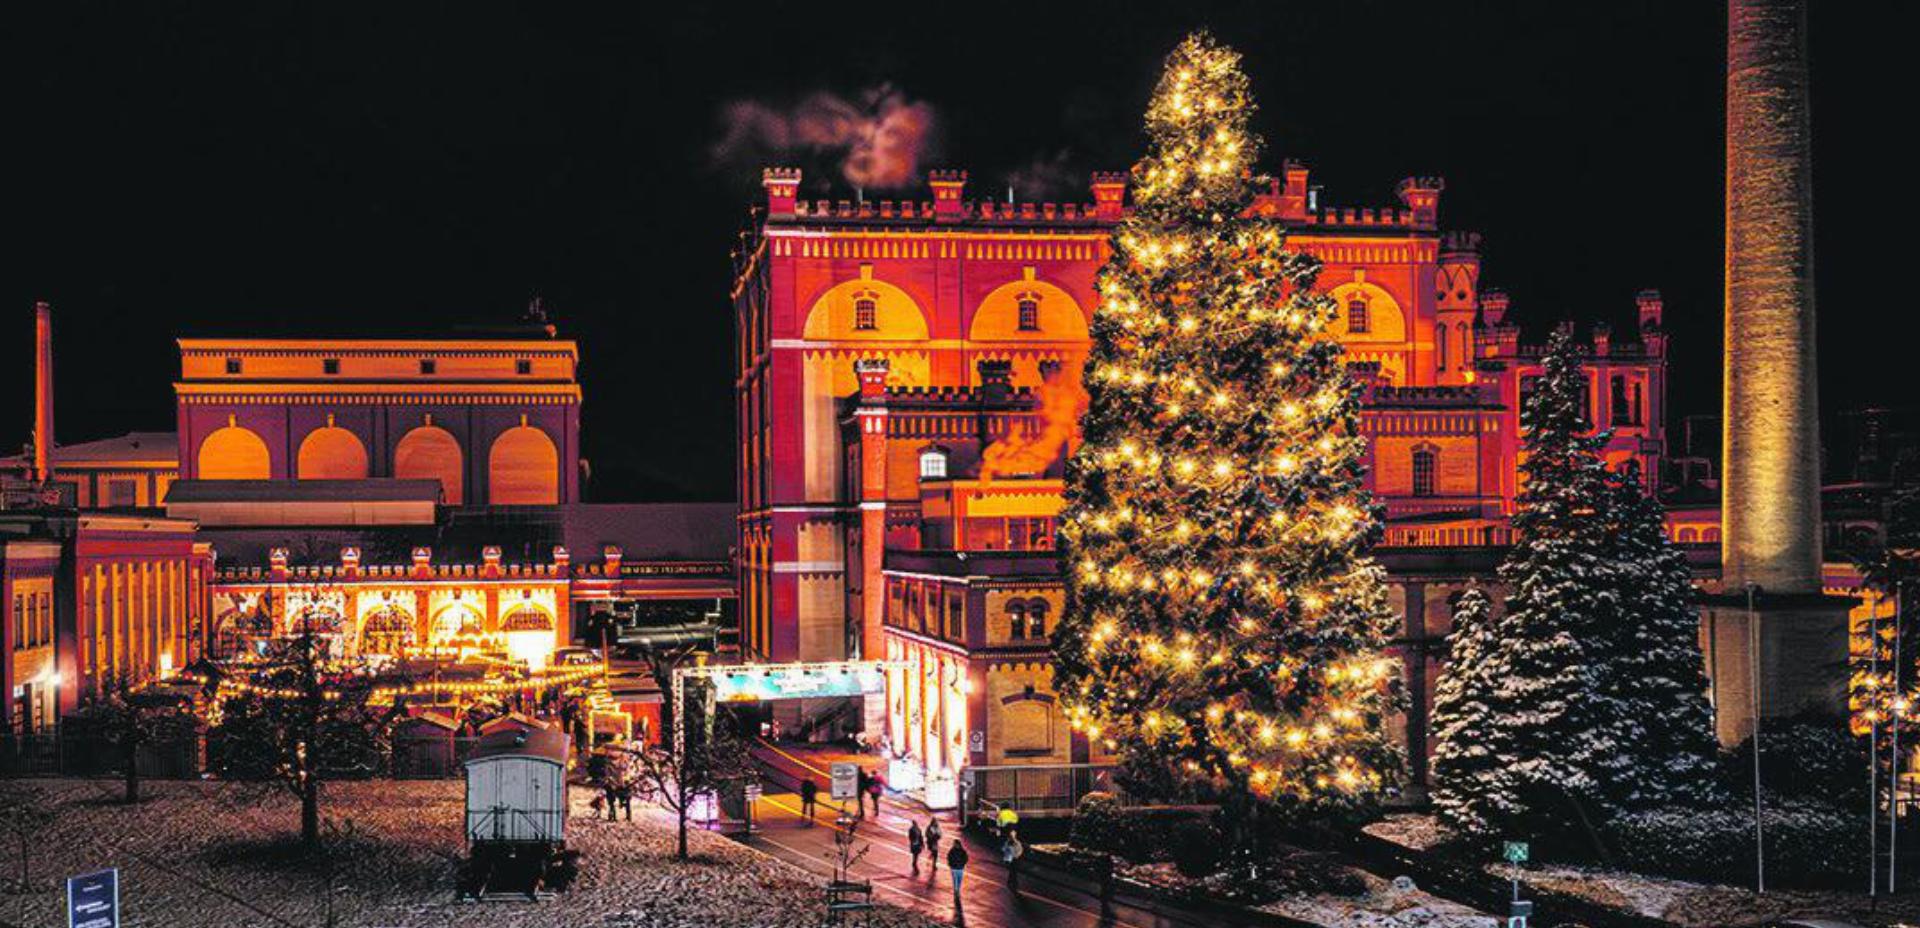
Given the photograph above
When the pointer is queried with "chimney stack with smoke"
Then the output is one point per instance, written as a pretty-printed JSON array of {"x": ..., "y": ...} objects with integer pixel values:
[{"x": 42, "y": 392}]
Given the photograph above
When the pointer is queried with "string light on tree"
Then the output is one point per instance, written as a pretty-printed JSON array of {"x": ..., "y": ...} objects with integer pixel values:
[{"x": 1225, "y": 629}]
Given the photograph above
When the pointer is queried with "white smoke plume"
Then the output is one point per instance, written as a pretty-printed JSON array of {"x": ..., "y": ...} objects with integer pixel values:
[{"x": 880, "y": 139}]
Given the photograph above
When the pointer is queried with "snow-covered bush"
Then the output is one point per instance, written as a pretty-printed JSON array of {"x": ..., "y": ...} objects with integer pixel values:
[
  {"x": 1807, "y": 845},
  {"x": 1197, "y": 847},
  {"x": 1098, "y": 824},
  {"x": 1810, "y": 758}
]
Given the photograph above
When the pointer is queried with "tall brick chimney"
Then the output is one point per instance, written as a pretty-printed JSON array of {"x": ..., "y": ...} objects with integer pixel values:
[
  {"x": 1770, "y": 448},
  {"x": 42, "y": 392}
]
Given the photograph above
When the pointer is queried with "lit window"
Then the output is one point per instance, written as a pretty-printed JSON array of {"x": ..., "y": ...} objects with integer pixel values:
[
  {"x": 1036, "y": 618},
  {"x": 933, "y": 464},
  {"x": 1356, "y": 315},
  {"x": 1029, "y": 314},
  {"x": 330, "y": 366},
  {"x": 1424, "y": 459},
  {"x": 864, "y": 314},
  {"x": 1017, "y": 613}
]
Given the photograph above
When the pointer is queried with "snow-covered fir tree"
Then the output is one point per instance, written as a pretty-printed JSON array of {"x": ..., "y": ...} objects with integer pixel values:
[
  {"x": 1587, "y": 697},
  {"x": 1225, "y": 630},
  {"x": 1655, "y": 659},
  {"x": 1467, "y": 760},
  {"x": 1554, "y": 721}
]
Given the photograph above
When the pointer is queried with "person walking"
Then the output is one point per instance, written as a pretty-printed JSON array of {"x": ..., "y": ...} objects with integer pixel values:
[
  {"x": 957, "y": 865},
  {"x": 809, "y": 796},
  {"x": 933, "y": 845},
  {"x": 875, "y": 788},
  {"x": 861, "y": 779},
  {"x": 914, "y": 844},
  {"x": 1010, "y": 851}
]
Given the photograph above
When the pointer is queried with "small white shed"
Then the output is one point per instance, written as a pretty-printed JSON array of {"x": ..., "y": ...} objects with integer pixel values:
[{"x": 517, "y": 787}]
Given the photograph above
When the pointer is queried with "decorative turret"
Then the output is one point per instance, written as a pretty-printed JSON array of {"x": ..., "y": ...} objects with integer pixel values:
[
  {"x": 1602, "y": 339},
  {"x": 610, "y": 558},
  {"x": 1422, "y": 198},
  {"x": 423, "y": 562},
  {"x": 1493, "y": 308},
  {"x": 1650, "y": 309},
  {"x": 948, "y": 189},
  {"x": 1109, "y": 195},
  {"x": 996, "y": 380},
  {"x": 1293, "y": 190},
  {"x": 490, "y": 561},
  {"x": 872, "y": 373},
  {"x": 783, "y": 190},
  {"x": 350, "y": 561},
  {"x": 277, "y": 563},
  {"x": 561, "y": 559}
]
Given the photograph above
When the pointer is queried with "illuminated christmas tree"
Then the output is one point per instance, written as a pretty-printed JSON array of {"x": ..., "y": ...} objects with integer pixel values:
[{"x": 1224, "y": 627}]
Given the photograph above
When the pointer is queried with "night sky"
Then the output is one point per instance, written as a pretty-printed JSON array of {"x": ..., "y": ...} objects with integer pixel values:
[{"x": 344, "y": 169}]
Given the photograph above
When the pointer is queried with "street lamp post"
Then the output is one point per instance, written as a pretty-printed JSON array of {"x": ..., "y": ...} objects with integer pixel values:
[{"x": 1753, "y": 685}]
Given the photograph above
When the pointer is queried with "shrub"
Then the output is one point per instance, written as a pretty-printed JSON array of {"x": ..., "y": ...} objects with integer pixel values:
[
  {"x": 1097, "y": 824},
  {"x": 1815, "y": 759},
  {"x": 1196, "y": 847},
  {"x": 1808, "y": 845}
]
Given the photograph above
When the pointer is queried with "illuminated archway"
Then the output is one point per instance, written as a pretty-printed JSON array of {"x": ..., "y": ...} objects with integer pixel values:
[
  {"x": 523, "y": 468},
  {"x": 386, "y": 630},
  {"x": 234, "y": 453},
  {"x": 431, "y": 452},
  {"x": 1028, "y": 310},
  {"x": 1384, "y": 319},
  {"x": 864, "y": 308},
  {"x": 332, "y": 453},
  {"x": 529, "y": 633}
]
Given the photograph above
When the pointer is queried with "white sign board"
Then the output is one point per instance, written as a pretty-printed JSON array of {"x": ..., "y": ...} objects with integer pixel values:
[{"x": 846, "y": 780}]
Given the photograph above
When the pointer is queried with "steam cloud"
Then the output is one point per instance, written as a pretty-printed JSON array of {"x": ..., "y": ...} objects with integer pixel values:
[
  {"x": 880, "y": 138},
  {"x": 1025, "y": 451}
]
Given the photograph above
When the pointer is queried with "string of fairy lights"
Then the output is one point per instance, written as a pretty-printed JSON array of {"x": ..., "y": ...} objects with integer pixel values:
[
  {"x": 227, "y": 686},
  {"x": 1222, "y": 614}
]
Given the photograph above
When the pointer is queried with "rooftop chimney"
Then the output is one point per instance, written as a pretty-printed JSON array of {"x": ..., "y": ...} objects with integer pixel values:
[{"x": 42, "y": 392}]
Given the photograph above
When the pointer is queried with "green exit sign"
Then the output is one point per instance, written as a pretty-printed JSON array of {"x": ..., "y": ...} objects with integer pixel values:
[{"x": 1516, "y": 852}]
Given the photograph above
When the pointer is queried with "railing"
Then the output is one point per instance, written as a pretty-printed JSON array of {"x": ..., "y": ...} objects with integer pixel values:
[{"x": 1053, "y": 788}]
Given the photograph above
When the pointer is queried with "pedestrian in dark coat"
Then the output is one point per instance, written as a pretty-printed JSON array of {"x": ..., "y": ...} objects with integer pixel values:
[
  {"x": 861, "y": 779},
  {"x": 809, "y": 795},
  {"x": 957, "y": 865},
  {"x": 914, "y": 845},
  {"x": 875, "y": 786},
  {"x": 933, "y": 845}
]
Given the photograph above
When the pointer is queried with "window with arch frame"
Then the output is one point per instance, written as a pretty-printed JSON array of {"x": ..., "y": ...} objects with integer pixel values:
[
  {"x": 1425, "y": 462},
  {"x": 1440, "y": 344},
  {"x": 865, "y": 313},
  {"x": 1017, "y": 619},
  {"x": 1029, "y": 314}
]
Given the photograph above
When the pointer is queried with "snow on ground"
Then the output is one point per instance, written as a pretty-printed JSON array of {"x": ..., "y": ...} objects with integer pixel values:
[
  {"x": 1411, "y": 829},
  {"x": 1381, "y": 906},
  {"x": 204, "y": 853},
  {"x": 1688, "y": 904}
]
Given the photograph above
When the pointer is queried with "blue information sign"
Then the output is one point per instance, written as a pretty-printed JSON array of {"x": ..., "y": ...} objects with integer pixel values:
[{"x": 93, "y": 900}]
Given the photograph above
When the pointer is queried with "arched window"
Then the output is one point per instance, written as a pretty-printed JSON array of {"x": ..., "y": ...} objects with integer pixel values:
[
  {"x": 1465, "y": 359},
  {"x": 1017, "y": 614},
  {"x": 1029, "y": 314},
  {"x": 234, "y": 453},
  {"x": 1036, "y": 618},
  {"x": 1357, "y": 315},
  {"x": 331, "y": 453},
  {"x": 933, "y": 464},
  {"x": 1689, "y": 535},
  {"x": 523, "y": 469},
  {"x": 431, "y": 452},
  {"x": 1711, "y": 536},
  {"x": 526, "y": 617},
  {"x": 1425, "y": 462},
  {"x": 865, "y": 313},
  {"x": 1440, "y": 344},
  {"x": 386, "y": 630}
]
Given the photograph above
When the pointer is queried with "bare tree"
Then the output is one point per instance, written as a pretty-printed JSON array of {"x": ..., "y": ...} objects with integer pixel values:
[
  {"x": 25, "y": 812},
  {"x": 302, "y": 717},
  {"x": 706, "y": 764},
  {"x": 127, "y": 716}
]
